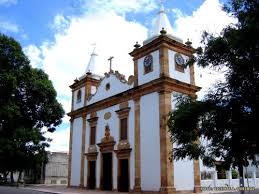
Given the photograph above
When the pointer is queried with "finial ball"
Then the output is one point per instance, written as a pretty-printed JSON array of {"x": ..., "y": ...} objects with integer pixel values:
[
  {"x": 163, "y": 31},
  {"x": 137, "y": 45}
]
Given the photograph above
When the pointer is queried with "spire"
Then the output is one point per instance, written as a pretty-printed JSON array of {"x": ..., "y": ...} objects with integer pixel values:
[
  {"x": 161, "y": 21},
  {"x": 92, "y": 62},
  {"x": 161, "y": 26}
]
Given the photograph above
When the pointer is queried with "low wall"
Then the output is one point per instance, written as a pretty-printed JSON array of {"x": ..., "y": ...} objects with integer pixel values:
[{"x": 251, "y": 182}]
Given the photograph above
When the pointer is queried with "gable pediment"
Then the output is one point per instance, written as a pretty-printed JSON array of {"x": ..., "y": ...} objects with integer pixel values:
[{"x": 113, "y": 83}]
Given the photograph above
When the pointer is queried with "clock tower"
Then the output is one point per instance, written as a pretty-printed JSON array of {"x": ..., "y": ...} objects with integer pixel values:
[{"x": 162, "y": 54}]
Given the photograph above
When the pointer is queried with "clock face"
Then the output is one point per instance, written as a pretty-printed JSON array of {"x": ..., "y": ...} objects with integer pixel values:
[
  {"x": 179, "y": 59},
  {"x": 148, "y": 60}
]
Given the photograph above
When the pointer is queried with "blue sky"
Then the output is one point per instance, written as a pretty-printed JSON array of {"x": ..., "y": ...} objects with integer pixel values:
[
  {"x": 58, "y": 36},
  {"x": 34, "y": 17}
]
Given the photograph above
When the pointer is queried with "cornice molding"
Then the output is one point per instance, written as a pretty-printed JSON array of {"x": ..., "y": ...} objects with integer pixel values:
[
  {"x": 161, "y": 41},
  {"x": 79, "y": 83},
  {"x": 161, "y": 84}
]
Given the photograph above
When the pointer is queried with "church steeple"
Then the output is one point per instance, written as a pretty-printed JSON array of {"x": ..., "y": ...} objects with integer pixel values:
[
  {"x": 161, "y": 22},
  {"x": 91, "y": 67}
]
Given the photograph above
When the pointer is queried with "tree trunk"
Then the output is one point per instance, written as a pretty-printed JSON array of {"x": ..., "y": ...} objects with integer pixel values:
[
  {"x": 5, "y": 176},
  {"x": 12, "y": 180},
  {"x": 241, "y": 179},
  {"x": 19, "y": 178}
]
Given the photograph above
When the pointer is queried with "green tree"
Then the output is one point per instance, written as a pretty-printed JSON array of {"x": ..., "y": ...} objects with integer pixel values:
[
  {"x": 27, "y": 105},
  {"x": 225, "y": 119}
]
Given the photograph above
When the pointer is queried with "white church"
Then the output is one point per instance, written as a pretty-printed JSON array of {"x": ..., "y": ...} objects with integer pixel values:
[{"x": 118, "y": 134}]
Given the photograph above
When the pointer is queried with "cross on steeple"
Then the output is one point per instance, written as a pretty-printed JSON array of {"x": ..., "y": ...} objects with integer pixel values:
[{"x": 110, "y": 59}]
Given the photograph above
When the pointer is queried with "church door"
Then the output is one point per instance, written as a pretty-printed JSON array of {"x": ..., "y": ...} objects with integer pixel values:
[
  {"x": 107, "y": 171},
  {"x": 124, "y": 175},
  {"x": 92, "y": 177}
]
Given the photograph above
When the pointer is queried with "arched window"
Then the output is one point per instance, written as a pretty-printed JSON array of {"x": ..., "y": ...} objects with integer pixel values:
[{"x": 78, "y": 96}]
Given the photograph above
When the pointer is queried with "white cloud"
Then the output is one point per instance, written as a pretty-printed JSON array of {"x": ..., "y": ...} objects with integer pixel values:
[
  {"x": 6, "y": 26},
  {"x": 34, "y": 55},
  {"x": 66, "y": 58},
  {"x": 8, "y": 2},
  {"x": 177, "y": 12},
  {"x": 60, "y": 140},
  {"x": 210, "y": 17},
  {"x": 60, "y": 23}
]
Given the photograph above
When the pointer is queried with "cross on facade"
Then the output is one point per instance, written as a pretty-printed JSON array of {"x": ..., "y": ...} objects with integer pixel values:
[{"x": 110, "y": 59}]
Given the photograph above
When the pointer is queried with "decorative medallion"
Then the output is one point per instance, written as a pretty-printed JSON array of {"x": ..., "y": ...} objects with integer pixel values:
[{"x": 107, "y": 115}]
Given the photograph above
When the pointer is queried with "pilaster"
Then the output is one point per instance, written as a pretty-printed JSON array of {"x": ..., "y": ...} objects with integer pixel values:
[
  {"x": 135, "y": 72},
  {"x": 197, "y": 178},
  {"x": 137, "y": 186},
  {"x": 70, "y": 152},
  {"x": 164, "y": 62},
  {"x": 83, "y": 151},
  {"x": 167, "y": 174},
  {"x": 192, "y": 78},
  {"x": 87, "y": 92}
]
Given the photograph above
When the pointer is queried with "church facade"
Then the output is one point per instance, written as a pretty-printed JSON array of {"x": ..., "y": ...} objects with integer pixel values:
[{"x": 119, "y": 136}]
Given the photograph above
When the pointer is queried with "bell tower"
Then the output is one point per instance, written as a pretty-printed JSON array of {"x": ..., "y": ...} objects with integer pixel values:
[
  {"x": 162, "y": 58},
  {"x": 162, "y": 54}
]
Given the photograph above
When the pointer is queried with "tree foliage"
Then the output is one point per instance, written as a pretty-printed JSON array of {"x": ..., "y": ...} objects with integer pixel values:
[
  {"x": 27, "y": 105},
  {"x": 225, "y": 121}
]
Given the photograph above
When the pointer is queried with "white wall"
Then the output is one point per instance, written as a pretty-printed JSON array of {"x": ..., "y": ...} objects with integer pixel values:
[
  {"x": 80, "y": 104},
  {"x": 183, "y": 169},
  {"x": 150, "y": 142},
  {"x": 57, "y": 165},
  {"x": 144, "y": 78},
  {"x": 183, "y": 174},
  {"x": 76, "y": 152},
  {"x": 116, "y": 87},
  {"x": 184, "y": 77}
]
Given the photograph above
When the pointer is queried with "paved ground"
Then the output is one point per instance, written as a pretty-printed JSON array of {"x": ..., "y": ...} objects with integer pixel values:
[
  {"x": 15, "y": 190},
  {"x": 63, "y": 190}
]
